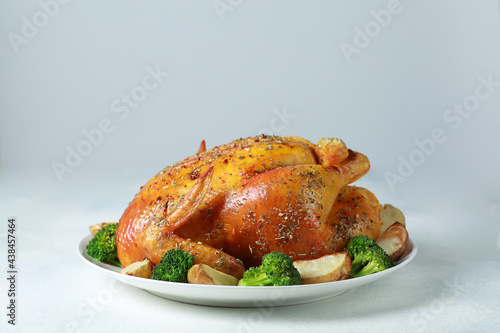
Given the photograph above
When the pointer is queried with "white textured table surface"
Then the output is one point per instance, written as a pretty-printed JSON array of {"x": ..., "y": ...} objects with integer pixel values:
[{"x": 452, "y": 284}]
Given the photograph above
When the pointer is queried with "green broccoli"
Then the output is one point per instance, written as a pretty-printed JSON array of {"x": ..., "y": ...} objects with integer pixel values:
[
  {"x": 173, "y": 267},
  {"x": 103, "y": 246},
  {"x": 367, "y": 257},
  {"x": 372, "y": 260},
  {"x": 276, "y": 269},
  {"x": 358, "y": 244}
]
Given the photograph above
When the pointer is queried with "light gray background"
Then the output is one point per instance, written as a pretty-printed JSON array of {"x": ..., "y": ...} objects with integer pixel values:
[{"x": 228, "y": 77}]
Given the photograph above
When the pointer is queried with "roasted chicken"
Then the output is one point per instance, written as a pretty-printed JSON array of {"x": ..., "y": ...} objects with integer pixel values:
[{"x": 230, "y": 205}]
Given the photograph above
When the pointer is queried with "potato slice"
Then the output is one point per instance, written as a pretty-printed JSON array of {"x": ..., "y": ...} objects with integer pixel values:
[
  {"x": 389, "y": 216},
  {"x": 140, "y": 269},
  {"x": 331, "y": 267},
  {"x": 95, "y": 228},
  {"x": 204, "y": 274},
  {"x": 394, "y": 240}
]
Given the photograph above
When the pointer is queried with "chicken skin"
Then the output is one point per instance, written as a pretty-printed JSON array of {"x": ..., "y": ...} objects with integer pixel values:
[{"x": 230, "y": 205}]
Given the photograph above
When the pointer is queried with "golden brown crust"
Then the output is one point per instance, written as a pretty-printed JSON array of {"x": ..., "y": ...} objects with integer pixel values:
[
  {"x": 247, "y": 198},
  {"x": 356, "y": 212},
  {"x": 234, "y": 163}
]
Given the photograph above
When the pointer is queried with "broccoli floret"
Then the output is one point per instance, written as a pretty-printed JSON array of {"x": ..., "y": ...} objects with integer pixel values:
[
  {"x": 276, "y": 269},
  {"x": 173, "y": 267},
  {"x": 358, "y": 244},
  {"x": 254, "y": 276},
  {"x": 103, "y": 245},
  {"x": 367, "y": 257},
  {"x": 372, "y": 260}
]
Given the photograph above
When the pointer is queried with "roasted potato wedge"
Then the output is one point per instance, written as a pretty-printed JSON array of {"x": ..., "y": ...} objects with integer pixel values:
[
  {"x": 389, "y": 216},
  {"x": 328, "y": 268},
  {"x": 95, "y": 228},
  {"x": 204, "y": 274},
  {"x": 394, "y": 240},
  {"x": 140, "y": 269}
]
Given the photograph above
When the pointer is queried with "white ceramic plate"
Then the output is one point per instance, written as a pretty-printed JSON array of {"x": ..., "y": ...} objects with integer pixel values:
[{"x": 234, "y": 296}]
